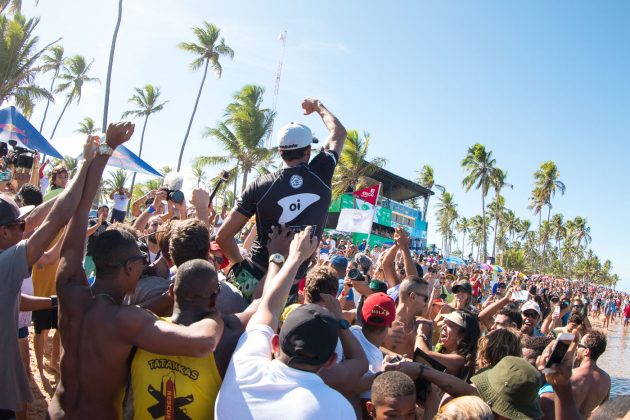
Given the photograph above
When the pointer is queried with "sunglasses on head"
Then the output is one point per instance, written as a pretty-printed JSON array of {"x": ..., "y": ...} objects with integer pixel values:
[{"x": 143, "y": 256}]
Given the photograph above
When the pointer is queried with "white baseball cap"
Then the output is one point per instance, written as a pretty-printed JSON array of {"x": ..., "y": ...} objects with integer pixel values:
[
  {"x": 295, "y": 136},
  {"x": 530, "y": 304}
]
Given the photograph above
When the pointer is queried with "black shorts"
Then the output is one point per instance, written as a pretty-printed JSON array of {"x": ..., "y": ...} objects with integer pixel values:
[
  {"x": 118, "y": 216},
  {"x": 23, "y": 332},
  {"x": 45, "y": 319}
]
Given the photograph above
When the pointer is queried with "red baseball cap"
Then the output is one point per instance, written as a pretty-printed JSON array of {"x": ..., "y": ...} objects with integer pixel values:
[
  {"x": 214, "y": 247},
  {"x": 379, "y": 310}
]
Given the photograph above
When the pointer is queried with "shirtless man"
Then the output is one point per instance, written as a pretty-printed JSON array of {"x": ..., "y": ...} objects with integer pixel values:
[
  {"x": 97, "y": 332},
  {"x": 591, "y": 385},
  {"x": 413, "y": 298}
]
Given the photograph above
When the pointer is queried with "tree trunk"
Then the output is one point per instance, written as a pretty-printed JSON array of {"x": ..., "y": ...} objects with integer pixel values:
[
  {"x": 483, "y": 215},
  {"x": 496, "y": 226},
  {"x": 244, "y": 183},
  {"x": 133, "y": 178},
  {"x": 464, "y": 243},
  {"x": 52, "y": 84},
  {"x": 192, "y": 117},
  {"x": 111, "y": 65},
  {"x": 59, "y": 119}
]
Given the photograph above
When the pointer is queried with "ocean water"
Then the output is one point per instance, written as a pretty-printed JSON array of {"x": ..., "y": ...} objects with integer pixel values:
[{"x": 613, "y": 361}]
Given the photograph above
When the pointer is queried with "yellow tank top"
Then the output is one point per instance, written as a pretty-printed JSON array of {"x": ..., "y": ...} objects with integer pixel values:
[{"x": 173, "y": 387}]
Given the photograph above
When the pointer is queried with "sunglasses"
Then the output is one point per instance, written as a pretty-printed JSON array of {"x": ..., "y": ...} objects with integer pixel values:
[
  {"x": 144, "y": 257},
  {"x": 21, "y": 224},
  {"x": 531, "y": 314}
]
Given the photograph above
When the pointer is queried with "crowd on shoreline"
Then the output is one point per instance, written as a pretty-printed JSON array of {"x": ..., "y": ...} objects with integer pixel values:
[{"x": 182, "y": 312}]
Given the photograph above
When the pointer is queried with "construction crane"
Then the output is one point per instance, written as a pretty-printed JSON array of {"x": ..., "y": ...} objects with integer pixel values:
[{"x": 283, "y": 39}]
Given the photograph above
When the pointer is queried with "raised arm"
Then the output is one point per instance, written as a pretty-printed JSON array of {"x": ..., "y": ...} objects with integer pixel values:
[
  {"x": 225, "y": 237},
  {"x": 345, "y": 375},
  {"x": 71, "y": 268},
  {"x": 488, "y": 312},
  {"x": 403, "y": 240},
  {"x": 388, "y": 266},
  {"x": 61, "y": 212},
  {"x": 277, "y": 288},
  {"x": 200, "y": 200},
  {"x": 338, "y": 133}
]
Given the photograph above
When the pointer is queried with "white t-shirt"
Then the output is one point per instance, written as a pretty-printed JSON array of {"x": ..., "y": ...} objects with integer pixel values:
[
  {"x": 256, "y": 387},
  {"x": 120, "y": 202},
  {"x": 373, "y": 354}
]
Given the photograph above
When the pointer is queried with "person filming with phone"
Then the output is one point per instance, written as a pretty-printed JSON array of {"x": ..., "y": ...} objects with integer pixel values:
[{"x": 297, "y": 195}]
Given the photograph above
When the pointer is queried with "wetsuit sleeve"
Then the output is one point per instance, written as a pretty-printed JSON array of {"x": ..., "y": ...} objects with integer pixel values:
[
  {"x": 323, "y": 165},
  {"x": 246, "y": 204}
]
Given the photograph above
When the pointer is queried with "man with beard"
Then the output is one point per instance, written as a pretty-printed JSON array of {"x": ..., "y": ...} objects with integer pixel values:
[
  {"x": 591, "y": 385},
  {"x": 154, "y": 249}
]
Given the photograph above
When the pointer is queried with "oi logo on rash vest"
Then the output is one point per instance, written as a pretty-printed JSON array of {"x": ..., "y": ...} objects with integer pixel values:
[{"x": 294, "y": 205}]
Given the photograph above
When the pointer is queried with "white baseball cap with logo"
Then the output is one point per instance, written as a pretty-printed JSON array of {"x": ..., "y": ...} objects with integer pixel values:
[{"x": 295, "y": 136}]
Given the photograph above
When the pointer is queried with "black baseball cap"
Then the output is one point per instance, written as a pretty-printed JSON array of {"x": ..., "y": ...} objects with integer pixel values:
[
  {"x": 309, "y": 335},
  {"x": 10, "y": 212},
  {"x": 464, "y": 285}
]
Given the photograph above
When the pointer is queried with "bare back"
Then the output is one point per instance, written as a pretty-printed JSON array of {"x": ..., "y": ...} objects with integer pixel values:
[
  {"x": 591, "y": 388},
  {"x": 95, "y": 358}
]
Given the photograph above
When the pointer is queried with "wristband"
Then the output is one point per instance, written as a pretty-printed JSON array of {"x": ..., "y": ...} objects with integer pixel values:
[{"x": 151, "y": 209}]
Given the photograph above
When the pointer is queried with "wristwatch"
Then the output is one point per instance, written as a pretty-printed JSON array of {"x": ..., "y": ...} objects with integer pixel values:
[
  {"x": 104, "y": 149},
  {"x": 343, "y": 324},
  {"x": 276, "y": 258},
  {"x": 53, "y": 300}
]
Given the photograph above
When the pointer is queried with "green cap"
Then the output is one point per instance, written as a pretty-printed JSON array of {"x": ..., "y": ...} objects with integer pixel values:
[{"x": 511, "y": 388}]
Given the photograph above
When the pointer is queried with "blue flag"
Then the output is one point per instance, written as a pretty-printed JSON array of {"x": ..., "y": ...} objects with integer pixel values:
[{"x": 13, "y": 126}]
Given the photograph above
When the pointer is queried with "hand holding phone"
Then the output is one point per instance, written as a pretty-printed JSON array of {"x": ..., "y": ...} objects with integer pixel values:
[{"x": 560, "y": 348}]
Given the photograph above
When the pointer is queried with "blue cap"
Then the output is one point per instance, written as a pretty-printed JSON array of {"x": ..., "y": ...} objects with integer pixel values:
[{"x": 339, "y": 261}]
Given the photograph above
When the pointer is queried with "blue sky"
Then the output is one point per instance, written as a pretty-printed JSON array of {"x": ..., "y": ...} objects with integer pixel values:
[{"x": 533, "y": 81}]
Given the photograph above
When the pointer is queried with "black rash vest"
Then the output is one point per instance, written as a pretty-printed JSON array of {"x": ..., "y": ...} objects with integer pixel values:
[{"x": 296, "y": 196}]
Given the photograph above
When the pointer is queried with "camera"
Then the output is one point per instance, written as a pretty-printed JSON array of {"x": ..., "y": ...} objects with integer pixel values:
[
  {"x": 19, "y": 157},
  {"x": 224, "y": 175},
  {"x": 173, "y": 184},
  {"x": 355, "y": 274}
]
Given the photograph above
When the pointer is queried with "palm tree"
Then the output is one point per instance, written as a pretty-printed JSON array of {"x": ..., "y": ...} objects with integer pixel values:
[
  {"x": 546, "y": 180},
  {"x": 426, "y": 179},
  {"x": 54, "y": 62},
  {"x": 510, "y": 223},
  {"x": 354, "y": 170},
  {"x": 87, "y": 127},
  {"x": 110, "y": 66},
  {"x": 477, "y": 231},
  {"x": 479, "y": 164},
  {"x": 199, "y": 174},
  {"x": 446, "y": 214},
  {"x": 498, "y": 180},
  {"x": 117, "y": 181},
  {"x": 462, "y": 225},
  {"x": 558, "y": 229},
  {"x": 536, "y": 202},
  {"x": 209, "y": 49},
  {"x": 242, "y": 134},
  {"x": 146, "y": 103},
  {"x": 581, "y": 231},
  {"x": 18, "y": 62},
  {"x": 524, "y": 229},
  {"x": 74, "y": 76}
]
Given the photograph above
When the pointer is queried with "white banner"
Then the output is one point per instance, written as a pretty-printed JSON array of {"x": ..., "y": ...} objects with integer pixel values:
[{"x": 354, "y": 220}]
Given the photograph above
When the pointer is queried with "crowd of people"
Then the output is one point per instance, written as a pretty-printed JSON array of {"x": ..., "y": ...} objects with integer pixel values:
[{"x": 181, "y": 312}]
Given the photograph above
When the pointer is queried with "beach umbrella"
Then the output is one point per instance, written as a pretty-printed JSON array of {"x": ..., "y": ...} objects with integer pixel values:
[
  {"x": 14, "y": 126},
  {"x": 455, "y": 260},
  {"x": 498, "y": 269},
  {"x": 485, "y": 266}
]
